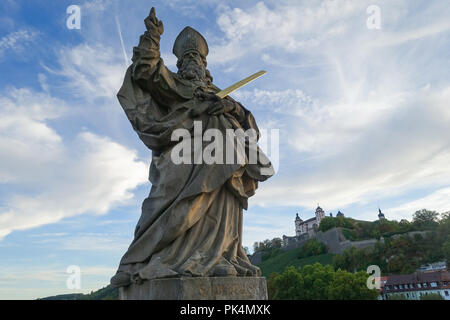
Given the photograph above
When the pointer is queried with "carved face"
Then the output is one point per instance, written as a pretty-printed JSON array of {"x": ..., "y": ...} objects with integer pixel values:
[{"x": 192, "y": 66}]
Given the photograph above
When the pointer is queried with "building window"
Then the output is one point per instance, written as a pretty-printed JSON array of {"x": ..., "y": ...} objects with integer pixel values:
[
  {"x": 406, "y": 286},
  {"x": 424, "y": 284},
  {"x": 400, "y": 286},
  {"x": 434, "y": 284},
  {"x": 419, "y": 285},
  {"x": 395, "y": 287},
  {"x": 411, "y": 285}
]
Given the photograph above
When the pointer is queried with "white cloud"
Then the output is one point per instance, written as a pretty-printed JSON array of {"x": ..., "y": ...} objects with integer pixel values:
[
  {"x": 438, "y": 200},
  {"x": 42, "y": 78},
  {"x": 260, "y": 225},
  {"x": 26, "y": 142},
  {"x": 90, "y": 72},
  {"x": 51, "y": 274},
  {"x": 343, "y": 154},
  {"x": 284, "y": 33},
  {"x": 362, "y": 126},
  {"x": 411, "y": 35},
  {"x": 32, "y": 282},
  {"x": 87, "y": 241},
  {"x": 17, "y": 40},
  {"x": 286, "y": 26},
  {"x": 63, "y": 177},
  {"x": 360, "y": 120},
  {"x": 95, "y": 5}
]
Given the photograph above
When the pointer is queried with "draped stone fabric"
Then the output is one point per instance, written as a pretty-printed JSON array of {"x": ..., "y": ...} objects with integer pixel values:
[{"x": 191, "y": 223}]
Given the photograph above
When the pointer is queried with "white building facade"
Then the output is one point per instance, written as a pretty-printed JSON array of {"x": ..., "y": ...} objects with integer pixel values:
[
  {"x": 311, "y": 225},
  {"x": 414, "y": 286}
]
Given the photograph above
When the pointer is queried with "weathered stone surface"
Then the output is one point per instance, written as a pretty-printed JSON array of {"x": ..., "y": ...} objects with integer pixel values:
[
  {"x": 201, "y": 288},
  {"x": 192, "y": 220}
]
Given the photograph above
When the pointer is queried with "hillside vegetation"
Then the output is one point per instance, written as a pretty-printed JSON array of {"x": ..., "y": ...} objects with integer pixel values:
[
  {"x": 318, "y": 282},
  {"x": 310, "y": 272},
  {"x": 276, "y": 260},
  {"x": 106, "y": 293},
  {"x": 403, "y": 254},
  {"x": 289, "y": 258},
  {"x": 362, "y": 230}
]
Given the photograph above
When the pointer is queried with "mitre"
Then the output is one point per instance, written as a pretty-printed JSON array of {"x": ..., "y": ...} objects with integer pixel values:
[{"x": 190, "y": 40}]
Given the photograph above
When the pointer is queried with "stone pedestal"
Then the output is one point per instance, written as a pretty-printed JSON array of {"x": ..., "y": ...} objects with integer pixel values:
[{"x": 214, "y": 288}]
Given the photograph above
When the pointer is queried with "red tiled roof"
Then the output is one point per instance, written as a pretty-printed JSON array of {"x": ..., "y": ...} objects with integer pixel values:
[
  {"x": 417, "y": 278},
  {"x": 445, "y": 276},
  {"x": 402, "y": 278},
  {"x": 420, "y": 277}
]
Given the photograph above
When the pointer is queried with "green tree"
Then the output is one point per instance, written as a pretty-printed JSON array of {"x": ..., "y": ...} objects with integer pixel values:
[
  {"x": 444, "y": 226},
  {"x": 276, "y": 243},
  {"x": 431, "y": 296},
  {"x": 269, "y": 248},
  {"x": 270, "y": 253},
  {"x": 405, "y": 225},
  {"x": 397, "y": 296},
  {"x": 271, "y": 285},
  {"x": 327, "y": 223},
  {"x": 425, "y": 219},
  {"x": 388, "y": 227},
  {"x": 351, "y": 286},
  {"x": 288, "y": 285},
  {"x": 344, "y": 222},
  {"x": 353, "y": 260},
  {"x": 312, "y": 248},
  {"x": 446, "y": 250},
  {"x": 317, "y": 282}
]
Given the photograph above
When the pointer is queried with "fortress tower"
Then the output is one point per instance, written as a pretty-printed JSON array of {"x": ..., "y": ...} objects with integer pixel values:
[
  {"x": 298, "y": 223},
  {"x": 320, "y": 214}
]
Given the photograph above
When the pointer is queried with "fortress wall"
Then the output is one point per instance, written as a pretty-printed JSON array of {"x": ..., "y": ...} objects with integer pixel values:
[
  {"x": 256, "y": 258},
  {"x": 333, "y": 239}
]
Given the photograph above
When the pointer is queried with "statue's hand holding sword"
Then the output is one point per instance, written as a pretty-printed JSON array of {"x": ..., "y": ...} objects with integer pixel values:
[{"x": 222, "y": 105}]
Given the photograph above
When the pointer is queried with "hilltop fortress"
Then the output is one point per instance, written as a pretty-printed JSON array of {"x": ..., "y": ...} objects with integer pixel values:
[
  {"x": 337, "y": 236},
  {"x": 306, "y": 230},
  {"x": 311, "y": 225}
]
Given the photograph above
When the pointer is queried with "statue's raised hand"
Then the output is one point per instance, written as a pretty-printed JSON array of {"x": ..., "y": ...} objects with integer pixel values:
[{"x": 152, "y": 23}]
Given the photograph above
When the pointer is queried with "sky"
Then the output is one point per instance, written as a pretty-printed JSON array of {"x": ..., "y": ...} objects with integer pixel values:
[{"x": 362, "y": 111}]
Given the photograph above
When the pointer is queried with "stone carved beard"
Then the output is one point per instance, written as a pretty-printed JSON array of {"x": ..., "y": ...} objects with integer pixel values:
[{"x": 194, "y": 69}]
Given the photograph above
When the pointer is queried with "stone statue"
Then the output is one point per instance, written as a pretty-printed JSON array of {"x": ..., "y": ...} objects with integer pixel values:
[{"x": 191, "y": 223}]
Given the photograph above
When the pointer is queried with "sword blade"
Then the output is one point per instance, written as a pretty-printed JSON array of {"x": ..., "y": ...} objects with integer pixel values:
[{"x": 222, "y": 94}]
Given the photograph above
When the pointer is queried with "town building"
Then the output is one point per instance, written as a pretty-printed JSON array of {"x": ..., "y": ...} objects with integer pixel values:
[
  {"x": 441, "y": 265},
  {"x": 414, "y": 286},
  {"x": 382, "y": 281}
]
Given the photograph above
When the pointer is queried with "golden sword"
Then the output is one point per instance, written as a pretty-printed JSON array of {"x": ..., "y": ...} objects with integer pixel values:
[{"x": 222, "y": 94}]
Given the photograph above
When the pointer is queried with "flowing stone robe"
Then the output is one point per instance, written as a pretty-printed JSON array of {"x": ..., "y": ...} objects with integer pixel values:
[{"x": 191, "y": 223}]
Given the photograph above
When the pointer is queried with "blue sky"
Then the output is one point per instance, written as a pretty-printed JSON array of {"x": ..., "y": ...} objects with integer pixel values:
[{"x": 363, "y": 115}]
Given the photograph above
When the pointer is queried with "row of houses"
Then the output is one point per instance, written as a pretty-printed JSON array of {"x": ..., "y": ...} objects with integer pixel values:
[{"x": 414, "y": 286}]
